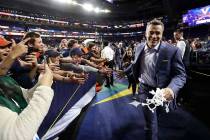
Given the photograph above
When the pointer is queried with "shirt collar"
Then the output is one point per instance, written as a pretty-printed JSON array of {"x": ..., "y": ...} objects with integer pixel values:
[{"x": 155, "y": 48}]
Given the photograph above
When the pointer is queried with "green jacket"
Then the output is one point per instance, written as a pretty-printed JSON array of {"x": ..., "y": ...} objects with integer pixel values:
[{"x": 11, "y": 95}]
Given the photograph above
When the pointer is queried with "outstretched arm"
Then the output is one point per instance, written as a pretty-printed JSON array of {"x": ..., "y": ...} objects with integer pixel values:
[{"x": 17, "y": 50}]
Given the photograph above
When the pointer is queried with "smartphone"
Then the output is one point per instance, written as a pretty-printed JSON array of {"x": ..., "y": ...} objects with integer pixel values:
[
  {"x": 30, "y": 50},
  {"x": 45, "y": 59}
]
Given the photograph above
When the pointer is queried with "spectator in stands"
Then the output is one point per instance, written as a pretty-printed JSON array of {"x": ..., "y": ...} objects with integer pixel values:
[
  {"x": 76, "y": 66},
  {"x": 184, "y": 46},
  {"x": 24, "y": 70},
  {"x": 170, "y": 41},
  {"x": 108, "y": 53},
  {"x": 119, "y": 52},
  {"x": 98, "y": 50},
  {"x": 60, "y": 74},
  {"x": 76, "y": 55},
  {"x": 180, "y": 42},
  {"x": 196, "y": 45},
  {"x": 63, "y": 47},
  {"x": 72, "y": 43},
  {"x": 22, "y": 111},
  {"x": 92, "y": 56},
  {"x": 127, "y": 62}
]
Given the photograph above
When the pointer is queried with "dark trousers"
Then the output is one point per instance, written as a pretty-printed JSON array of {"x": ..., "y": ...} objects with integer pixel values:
[
  {"x": 151, "y": 123},
  {"x": 118, "y": 63},
  {"x": 132, "y": 82},
  {"x": 110, "y": 80}
]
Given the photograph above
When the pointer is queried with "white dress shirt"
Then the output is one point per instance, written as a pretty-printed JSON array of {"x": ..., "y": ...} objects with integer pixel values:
[
  {"x": 147, "y": 67},
  {"x": 181, "y": 45},
  {"x": 107, "y": 53}
]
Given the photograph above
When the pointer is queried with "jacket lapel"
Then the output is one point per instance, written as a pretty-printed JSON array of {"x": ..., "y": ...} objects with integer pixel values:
[
  {"x": 138, "y": 52},
  {"x": 160, "y": 56}
]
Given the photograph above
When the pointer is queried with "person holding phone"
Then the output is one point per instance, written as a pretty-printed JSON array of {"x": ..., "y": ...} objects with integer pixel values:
[
  {"x": 24, "y": 69},
  {"x": 22, "y": 110}
]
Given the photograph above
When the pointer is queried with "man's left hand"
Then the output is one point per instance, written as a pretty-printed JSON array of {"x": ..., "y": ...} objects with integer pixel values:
[{"x": 168, "y": 94}]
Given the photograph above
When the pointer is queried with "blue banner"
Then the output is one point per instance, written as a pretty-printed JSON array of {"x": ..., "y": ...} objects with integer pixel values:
[{"x": 64, "y": 92}]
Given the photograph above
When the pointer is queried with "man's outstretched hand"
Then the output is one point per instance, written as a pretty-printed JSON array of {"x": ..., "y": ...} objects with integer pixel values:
[{"x": 120, "y": 74}]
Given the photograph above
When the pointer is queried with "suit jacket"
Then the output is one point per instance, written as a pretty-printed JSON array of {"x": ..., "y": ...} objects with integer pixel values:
[{"x": 170, "y": 71}]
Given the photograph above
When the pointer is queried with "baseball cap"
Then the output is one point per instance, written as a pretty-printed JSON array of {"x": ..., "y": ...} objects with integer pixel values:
[
  {"x": 76, "y": 51},
  {"x": 4, "y": 42},
  {"x": 52, "y": 53}
]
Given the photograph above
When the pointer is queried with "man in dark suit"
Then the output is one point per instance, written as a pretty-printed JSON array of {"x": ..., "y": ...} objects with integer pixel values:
[{"x": 157, "y": 65}]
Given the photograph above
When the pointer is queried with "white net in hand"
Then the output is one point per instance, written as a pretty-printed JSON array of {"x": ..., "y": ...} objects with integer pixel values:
[{"x": 157, "y": 100}]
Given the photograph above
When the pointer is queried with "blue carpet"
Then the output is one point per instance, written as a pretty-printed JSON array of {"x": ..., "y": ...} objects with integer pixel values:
[{"x": 116, "y": 119}]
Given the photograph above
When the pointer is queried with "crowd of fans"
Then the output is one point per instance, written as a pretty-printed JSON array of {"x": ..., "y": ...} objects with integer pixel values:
[
  {"x": 35, "y": 18},
  {"x": 31, "y": 64}
]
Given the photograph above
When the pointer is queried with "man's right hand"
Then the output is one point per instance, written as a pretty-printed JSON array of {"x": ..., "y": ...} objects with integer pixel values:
[
  {"x": 120, "y": 74},
  {"x": 54, "y": 67},
  {"x": 19, "y": 49},
  {"x": 31, "y": 60},
  {"x": 46, "y": 77},
  {"x": 105, "y": 71}
]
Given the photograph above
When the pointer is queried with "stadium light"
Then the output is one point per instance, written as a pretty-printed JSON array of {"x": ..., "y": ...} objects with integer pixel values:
[
  {"x": 107, "y": 11},
  {"x": 97, "y": 10},
  {"x": 69, "y": 1},
  {"x": 88, "y": 7},
  {"x": 74, "y": 2},
  {"x": 110, "y": 1},
  {"x": 63, "y": 1}
]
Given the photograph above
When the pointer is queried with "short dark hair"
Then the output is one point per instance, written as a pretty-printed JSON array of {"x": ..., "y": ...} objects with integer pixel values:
[
  {"x": 52, "y": 53},
  {"x": 76, "y": 51},
  {"x": 178, "y": 31},
  {"x": 155, "y": 22},
  {"x": 90, "y": 45},
  {"x": 31, "y": 35},
  {"x": 71, "y": 42},
  {"x": 106, "y": 43}
]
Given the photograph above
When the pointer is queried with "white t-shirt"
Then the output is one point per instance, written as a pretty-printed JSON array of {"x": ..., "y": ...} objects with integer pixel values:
[
  {"x": 181, "y": 45},
  {"x": 107, "y": 53}
]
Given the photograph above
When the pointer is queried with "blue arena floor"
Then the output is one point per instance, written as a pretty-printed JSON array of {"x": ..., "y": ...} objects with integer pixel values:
[{"x": 111, "y": 116}]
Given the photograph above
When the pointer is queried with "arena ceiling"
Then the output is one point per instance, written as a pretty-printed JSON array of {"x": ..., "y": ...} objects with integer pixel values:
[{"x": 120, "y": 9}]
